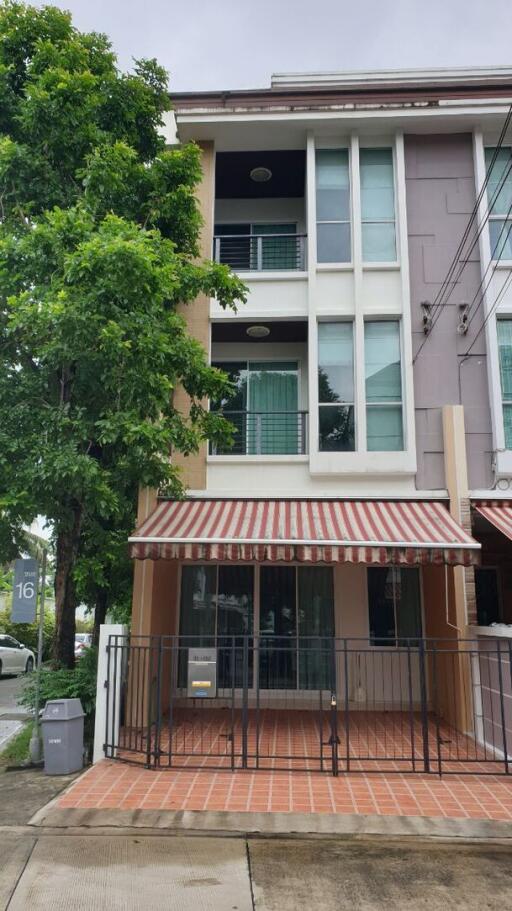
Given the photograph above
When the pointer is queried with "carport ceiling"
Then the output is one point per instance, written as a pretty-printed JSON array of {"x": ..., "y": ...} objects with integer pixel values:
[{"x": 233, "y": 181}]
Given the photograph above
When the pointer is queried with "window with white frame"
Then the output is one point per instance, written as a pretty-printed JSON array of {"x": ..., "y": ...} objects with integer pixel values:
[
  {"x": 394, "y": 605},
  {"x": 377, "y": 205},
  {"x": 336, "y": 387},
  {"x": 499, "y": 196},
  {"x": 504, "y": 329},
  {"x": 383, "y": 374},
  {"x": 333, "y": 206}
]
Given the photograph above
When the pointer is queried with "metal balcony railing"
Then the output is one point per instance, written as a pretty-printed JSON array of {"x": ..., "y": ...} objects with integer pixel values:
[
  {"x": 261, "y": 252},
  {"x": 266, "y": 433}
]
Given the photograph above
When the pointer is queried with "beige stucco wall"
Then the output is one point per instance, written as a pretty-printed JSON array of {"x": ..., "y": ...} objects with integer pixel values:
[{"x": 155, "y": 582}]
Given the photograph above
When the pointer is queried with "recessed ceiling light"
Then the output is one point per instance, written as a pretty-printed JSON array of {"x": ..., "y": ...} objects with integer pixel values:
[
  {"x": 260, "y": 175},
  {"x": 258, "y": 331}
]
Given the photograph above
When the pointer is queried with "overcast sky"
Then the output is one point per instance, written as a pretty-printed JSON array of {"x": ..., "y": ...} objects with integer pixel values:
[{"x": 221, "y": 44}]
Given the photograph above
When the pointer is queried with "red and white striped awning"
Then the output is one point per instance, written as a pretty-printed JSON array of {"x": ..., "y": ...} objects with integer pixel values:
[
  {"x": 499, "y": 515},
  {"x": 328, "y": 531}
]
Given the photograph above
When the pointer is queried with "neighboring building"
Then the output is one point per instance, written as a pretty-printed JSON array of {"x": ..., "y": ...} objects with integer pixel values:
[{"x": 372, "y": 462}]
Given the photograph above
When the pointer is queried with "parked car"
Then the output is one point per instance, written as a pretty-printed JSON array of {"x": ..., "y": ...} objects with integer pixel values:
[
  {"x": 82, "y": 642},
  {"x": 14, "y": 657}
]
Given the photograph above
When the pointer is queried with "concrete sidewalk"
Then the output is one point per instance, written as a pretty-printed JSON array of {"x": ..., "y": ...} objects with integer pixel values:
[
  {"x": 242, "y": 861},
  {"x": 127, "y": 871}
]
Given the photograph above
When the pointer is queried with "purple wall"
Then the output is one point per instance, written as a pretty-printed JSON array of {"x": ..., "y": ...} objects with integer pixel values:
[{"x": 441, "y": 194}]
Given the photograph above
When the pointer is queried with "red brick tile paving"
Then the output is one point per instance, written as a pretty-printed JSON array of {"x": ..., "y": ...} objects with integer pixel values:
[{"x": 111, "y": 784}]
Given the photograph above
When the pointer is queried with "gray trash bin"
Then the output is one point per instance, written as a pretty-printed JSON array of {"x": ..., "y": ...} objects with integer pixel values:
[{"x": 63, "y": 736}]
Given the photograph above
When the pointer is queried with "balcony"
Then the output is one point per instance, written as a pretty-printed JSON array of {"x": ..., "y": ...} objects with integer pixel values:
[
  {"x": 266, "y": 433},
  {"x": 268, "y": 252},
  {"x": 260, "y": 213}
]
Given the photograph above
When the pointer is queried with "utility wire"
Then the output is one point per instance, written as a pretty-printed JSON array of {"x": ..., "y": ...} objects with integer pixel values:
[
  {"x": 499, "y": 298},
  {"x": 438, "y": 304},
  {"x": 464, "y": 262},
  {"x": 493, "y": 262},
  {"x": 474, "y": 213}
]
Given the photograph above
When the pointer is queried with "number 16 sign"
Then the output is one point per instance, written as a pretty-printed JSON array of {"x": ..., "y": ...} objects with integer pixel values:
[{"x": 24, "y": 594}]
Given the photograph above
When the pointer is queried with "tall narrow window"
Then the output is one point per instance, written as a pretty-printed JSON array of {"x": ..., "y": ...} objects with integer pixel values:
[
  {"x": 394, "y": 605},
  {"x": 499, "y": 196},
  {"x": 336, "y": 387},
  {"x": 384, "y": 423},
  {"x": 505, "y": 351},
  {"x": 377, "y": 205},
  {"x": 333, "y": 206}
]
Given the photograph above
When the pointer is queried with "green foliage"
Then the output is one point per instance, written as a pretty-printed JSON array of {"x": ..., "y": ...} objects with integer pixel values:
[
  {"x": 84, "y": 626},
  {"x": 79, "y": 683},
  {"x": 27, "y": 633},
  {"x": 99, "y": 235},
  {"x": 17, "y": 750}
]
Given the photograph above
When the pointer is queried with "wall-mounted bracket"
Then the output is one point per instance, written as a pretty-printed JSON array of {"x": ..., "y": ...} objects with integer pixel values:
[
  {"x": 462, "y": 327},
  {"x": 426, "y": 309}
]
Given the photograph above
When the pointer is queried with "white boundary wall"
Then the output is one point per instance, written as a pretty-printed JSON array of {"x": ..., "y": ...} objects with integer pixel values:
[{"x": 108, "y": 629}]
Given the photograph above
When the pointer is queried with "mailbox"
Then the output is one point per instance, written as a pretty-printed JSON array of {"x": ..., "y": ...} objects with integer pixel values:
[{"x": 202, "y": 673}]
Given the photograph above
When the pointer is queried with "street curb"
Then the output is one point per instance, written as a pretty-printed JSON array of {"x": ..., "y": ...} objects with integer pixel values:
[{"x": 274, "y": 824}]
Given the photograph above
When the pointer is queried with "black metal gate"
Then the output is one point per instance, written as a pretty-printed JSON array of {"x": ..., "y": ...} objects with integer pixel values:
[{"x": 316, "y": 704}]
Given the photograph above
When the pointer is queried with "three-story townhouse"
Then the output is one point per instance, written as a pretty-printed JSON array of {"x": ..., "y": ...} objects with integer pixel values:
[{"x": 313, "y": 602}]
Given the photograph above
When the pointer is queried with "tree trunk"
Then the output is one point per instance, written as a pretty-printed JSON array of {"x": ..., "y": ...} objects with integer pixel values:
[
  {"x": 65, "y": 596},
  {"x": 100, "y": 612}
]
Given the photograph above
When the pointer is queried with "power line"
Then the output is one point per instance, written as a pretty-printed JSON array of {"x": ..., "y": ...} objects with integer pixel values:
[
  {"x": 464, "y": 262},
  {"x": 475, "y": 208},
  {"x": 438, "y": 304},
  {"x": 496, "y": 303},
  {"x": 493, "y": 262}
]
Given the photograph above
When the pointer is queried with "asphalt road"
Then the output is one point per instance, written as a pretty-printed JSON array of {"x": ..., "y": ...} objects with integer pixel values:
[
  {"x": 11, "y": 714},
  {"x": 115, "y": 871},
  {"x": 10, "y": 690}
]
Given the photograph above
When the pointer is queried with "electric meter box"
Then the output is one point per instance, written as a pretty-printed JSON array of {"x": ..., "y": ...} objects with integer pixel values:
[{"x": 202, "y": 673}]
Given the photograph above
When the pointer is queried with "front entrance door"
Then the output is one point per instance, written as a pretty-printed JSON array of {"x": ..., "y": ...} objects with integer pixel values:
[{"x": 296, "y": 627}]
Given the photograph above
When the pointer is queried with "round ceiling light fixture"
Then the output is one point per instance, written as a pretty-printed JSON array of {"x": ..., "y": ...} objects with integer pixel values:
[
  {"x": 258, "y": 331},
  {"x": 260, "y": 175}
]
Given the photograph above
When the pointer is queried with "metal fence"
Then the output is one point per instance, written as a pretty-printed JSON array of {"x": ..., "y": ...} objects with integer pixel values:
[
  {"x": 261, "y": 252},
  {"x": 314, "y": 704},
  {"x": 266, "y": 433}
]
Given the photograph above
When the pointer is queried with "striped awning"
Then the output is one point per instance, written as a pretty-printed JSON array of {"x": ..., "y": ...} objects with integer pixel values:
[
  {"x": 312, "y": 531},
  {"x": 499, "y": 515}
]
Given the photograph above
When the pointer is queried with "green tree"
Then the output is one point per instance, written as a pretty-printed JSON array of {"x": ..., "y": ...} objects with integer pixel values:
[{"x": 98, "y": 247}]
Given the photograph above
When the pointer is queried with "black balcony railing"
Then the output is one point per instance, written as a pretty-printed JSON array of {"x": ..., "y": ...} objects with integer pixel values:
[
  {"x": 266, "y": 433},
  {"x": 261, "y": 252}
]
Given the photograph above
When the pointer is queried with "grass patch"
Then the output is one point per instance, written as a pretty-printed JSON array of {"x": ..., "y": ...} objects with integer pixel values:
[{"x": 18, "y": 748}]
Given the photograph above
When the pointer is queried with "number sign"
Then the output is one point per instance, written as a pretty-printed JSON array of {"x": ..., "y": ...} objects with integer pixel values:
[{"x": 24, "y": 595}]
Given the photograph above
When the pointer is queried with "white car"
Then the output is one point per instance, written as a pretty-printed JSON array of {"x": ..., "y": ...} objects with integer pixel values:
[
  {"x": 83, "y": 641},
  {"x": 14, "y": 657}
]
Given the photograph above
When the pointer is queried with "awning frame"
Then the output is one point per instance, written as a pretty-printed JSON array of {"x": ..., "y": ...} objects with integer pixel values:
[{"x": 351, "y": 515}]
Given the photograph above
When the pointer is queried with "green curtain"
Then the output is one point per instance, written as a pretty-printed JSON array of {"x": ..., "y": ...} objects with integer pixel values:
[
  {"x": 273, "y": 389},
  {"x": 504, "y": 327},
  {"x": 384, "y": 424}
]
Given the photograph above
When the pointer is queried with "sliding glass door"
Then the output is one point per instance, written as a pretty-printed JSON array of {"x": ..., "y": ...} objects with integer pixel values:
[
  {"x": 216, "y": 609},
  {"x": 263, "y": 407},
  {"x": 296, "y": 621}
]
